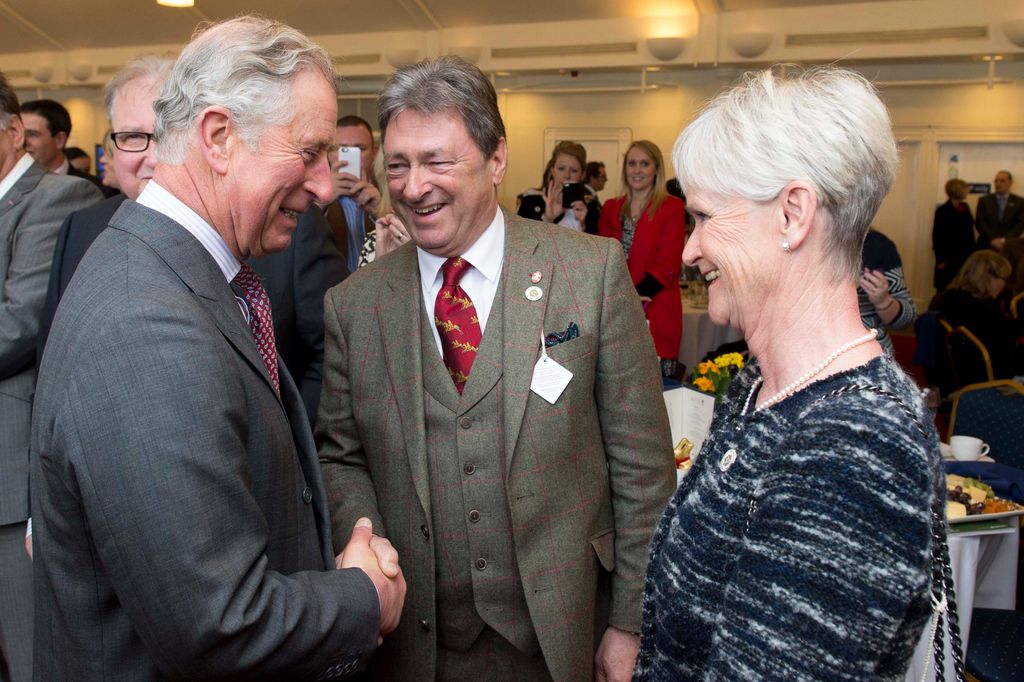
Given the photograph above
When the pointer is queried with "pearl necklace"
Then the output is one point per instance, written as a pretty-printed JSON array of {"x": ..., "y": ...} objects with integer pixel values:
[{"x": 813, "y": 372}]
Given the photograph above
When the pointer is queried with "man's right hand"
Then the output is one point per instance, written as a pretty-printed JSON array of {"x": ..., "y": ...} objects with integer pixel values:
[{"x": 379, "y": 560}]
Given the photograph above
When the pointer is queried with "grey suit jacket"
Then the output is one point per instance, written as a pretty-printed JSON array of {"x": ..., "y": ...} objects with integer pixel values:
[
  {"x": 587, "y": 478},
  {"x": 179, "y": 516},
  {"x": 30, "y": 215},
  {"x": 296, "y": 280}
]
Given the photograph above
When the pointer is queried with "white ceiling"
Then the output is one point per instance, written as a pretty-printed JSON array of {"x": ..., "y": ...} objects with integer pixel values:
[{"x": 46, "y": 25}]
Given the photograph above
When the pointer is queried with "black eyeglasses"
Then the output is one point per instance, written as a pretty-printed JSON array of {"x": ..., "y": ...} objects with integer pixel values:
[{"x": 132, "y": 141}]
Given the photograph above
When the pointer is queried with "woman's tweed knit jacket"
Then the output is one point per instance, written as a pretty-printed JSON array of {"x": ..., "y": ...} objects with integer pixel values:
[{"x": 826, "y": 575}]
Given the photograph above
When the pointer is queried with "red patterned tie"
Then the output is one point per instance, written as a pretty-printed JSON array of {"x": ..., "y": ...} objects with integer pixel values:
[
  {"x": 457, "y": 323},
  {"x": 261, "y": 323}
]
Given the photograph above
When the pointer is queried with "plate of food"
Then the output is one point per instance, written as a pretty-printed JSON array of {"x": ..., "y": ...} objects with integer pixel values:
[{"x": 969, "y": 500}]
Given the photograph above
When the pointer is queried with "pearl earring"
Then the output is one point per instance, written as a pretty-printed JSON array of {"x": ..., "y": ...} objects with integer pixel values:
[{"x": 785, "y": 247}]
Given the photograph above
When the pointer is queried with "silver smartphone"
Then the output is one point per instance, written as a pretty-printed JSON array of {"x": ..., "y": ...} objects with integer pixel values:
[{"x": 351, "y": 155}]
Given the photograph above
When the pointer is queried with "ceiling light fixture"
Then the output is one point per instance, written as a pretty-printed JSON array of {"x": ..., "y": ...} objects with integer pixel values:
[
  {"x": 666, "y": 49},
  {"x": 176, "y": 3},
  {"x": 750, "y": 44}
]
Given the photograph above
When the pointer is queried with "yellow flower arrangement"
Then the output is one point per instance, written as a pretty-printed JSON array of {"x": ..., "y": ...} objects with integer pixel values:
[{"x": 715, "y": 375}]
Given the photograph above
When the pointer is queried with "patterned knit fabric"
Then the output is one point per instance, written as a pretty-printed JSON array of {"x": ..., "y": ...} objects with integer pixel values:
[{"x": 828, "y": 577}]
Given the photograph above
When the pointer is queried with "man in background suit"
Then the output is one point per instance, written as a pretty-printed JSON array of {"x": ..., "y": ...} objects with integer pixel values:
[
  {"x": 356, "y": 198},
  {"x": 522, "y": 521},
  {"x": 180, "y": 517},
  {"x": 47, "y": 127},
  {"x": 32, "y": 205},
  {"x": 1000, "y": 214},
  {"x": 296, "y": 279}
]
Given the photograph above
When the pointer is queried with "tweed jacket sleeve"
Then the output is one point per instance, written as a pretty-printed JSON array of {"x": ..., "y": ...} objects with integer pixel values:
[
  {"x": 342, "y": 456},
  {"x": 634, "y": 428}
]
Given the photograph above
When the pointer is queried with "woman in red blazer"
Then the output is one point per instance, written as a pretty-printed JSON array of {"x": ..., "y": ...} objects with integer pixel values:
[{"x": 651, "y": 225}]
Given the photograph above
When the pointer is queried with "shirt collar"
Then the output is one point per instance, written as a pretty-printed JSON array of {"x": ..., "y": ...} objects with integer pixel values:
[
  {"x": 160, "y": 200},
  {"x": 485, "y": 254},
  {"x": 11, "y": 179},
  {"x": 63, "y": 168}
]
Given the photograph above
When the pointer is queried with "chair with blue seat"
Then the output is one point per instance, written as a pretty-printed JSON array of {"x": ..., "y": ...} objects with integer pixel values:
[
  {"x": 995, "y": 651},
  {"x": 994, "y": 412}
]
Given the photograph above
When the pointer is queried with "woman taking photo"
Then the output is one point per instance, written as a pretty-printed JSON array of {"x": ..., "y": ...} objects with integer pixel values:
[
  {"x": 545, "y": 203},
  {"x": 799, "y": 545},
  {"x": 651, "y": 225}
]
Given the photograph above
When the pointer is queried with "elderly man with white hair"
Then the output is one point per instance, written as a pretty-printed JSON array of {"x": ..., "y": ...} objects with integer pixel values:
[{"x": 181, "y": 527}]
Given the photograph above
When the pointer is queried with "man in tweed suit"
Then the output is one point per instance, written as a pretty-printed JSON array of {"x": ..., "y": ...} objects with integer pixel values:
[
  {"x": 180, "y": 520},
  {"x": 522, "y": 522},
  {"x": 33, "y": 203}
]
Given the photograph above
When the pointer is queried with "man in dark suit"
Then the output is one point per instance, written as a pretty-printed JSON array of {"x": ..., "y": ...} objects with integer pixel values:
[
  {"x": 1000, "y": 214},
  {"x": 180, "y": 517},
  {"x": 296, "y": 279},
  {"x": 356, "y": 198},
  {"x": 520, "y": 489},
  {"x": 32, "y": 205},
  {"x": 47, "y": 127}
]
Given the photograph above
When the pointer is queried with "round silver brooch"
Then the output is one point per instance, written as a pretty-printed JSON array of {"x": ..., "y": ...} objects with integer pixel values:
[{"x": 727, "y": 459}]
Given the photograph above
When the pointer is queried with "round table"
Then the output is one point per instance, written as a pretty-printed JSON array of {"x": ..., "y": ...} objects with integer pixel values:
[{"x": 701, "y": 335}]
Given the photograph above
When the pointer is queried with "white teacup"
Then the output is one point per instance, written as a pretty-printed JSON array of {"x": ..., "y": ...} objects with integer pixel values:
[{"x": 968, "y": 448}]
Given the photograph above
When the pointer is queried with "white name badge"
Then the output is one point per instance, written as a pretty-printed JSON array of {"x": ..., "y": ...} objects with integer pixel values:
[{"x": 549, "y": 379}]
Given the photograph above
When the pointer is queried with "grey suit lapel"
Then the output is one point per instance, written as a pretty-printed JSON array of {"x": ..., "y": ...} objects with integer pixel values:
[
  {"x": 25, "y": 184},
  {"x": 194, "y": 265},
  {"x": 399, "y": 303},
  {"x": 523, "y": 322}
]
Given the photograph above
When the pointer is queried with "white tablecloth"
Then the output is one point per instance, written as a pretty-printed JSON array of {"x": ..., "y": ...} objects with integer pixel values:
[
  {"x": 701, "y": 335},
  {"x": 984, "y": 575}
]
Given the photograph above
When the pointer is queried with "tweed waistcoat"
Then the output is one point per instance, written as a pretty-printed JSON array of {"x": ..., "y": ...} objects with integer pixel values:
[{"x": 478, "y": 581}]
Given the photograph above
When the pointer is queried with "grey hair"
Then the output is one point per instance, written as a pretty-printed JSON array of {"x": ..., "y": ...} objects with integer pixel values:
[
  {"x": 244, "y": 64},
  {"x": 445, "y": 84},
  {"x": 824, "y": 125},
  {"x": 9, "y": 107},
  {"x": 147, "y": 67}
]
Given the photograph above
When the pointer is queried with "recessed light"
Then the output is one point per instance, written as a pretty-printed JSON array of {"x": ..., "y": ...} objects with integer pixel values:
[{"x": 176, "y": 3}]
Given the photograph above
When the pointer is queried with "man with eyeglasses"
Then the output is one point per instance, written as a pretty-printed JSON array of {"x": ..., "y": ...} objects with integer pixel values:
[{"x": 128, "y": 98}]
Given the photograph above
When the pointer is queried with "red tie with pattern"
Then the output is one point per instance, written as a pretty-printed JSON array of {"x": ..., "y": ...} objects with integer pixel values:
[
  {"x": 261, "y": 323},
  {"x": 457, "y": 323}
]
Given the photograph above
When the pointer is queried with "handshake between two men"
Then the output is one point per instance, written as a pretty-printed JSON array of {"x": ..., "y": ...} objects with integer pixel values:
[{"x": 379, "y": 560}]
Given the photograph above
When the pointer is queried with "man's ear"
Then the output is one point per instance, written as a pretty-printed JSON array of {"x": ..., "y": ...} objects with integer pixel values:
[
  {"x": 799, "y": 203},
  {"x": 499, "y": 159},
  {"x": 216, "y": 134},
  {"x": 60, "y": 139}
]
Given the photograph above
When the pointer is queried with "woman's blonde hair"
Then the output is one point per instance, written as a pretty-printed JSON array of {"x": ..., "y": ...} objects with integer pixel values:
[
  {"x": 980, "y": 268},
  {"x": 658, "y": 192},
  {"x": 957, "y": 189}
]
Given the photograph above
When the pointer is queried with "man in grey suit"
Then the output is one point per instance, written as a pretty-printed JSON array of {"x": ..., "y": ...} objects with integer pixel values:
[
  {"x": 296, "y": 279},
  {"x": 33, "y": 203},
  {"x": 1000, "y": 214},
  {"x": 181, "y": 527},
  {"x": 520, "y": 486}
]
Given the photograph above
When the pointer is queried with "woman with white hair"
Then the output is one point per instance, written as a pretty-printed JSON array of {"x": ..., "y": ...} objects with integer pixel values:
[{"x": 800, "y": 544}]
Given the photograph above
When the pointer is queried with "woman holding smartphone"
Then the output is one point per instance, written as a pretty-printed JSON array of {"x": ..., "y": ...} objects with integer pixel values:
[
  {"x": 651, "y": 225},
  {"x": 553, "y": 201}
]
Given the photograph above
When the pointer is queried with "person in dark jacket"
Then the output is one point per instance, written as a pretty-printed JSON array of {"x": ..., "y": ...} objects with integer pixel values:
[{"x": 952, "y": 233}]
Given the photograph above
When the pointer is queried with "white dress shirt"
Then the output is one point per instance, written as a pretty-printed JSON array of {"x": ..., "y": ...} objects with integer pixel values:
[
  {"x": 160, "y": 200},
  {"x": 9, "y": 180},
  {"x": 480, "y": 282}
]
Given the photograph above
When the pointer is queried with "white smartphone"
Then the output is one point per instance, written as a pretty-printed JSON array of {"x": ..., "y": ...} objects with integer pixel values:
[{"x": 352, "y": 156}]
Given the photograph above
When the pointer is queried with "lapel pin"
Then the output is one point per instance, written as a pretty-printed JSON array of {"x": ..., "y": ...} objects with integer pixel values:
[
  {"x": 727, "y": 460},
  {"x": 534, "y": 294},
  {"x": 536, "y": 277}
]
